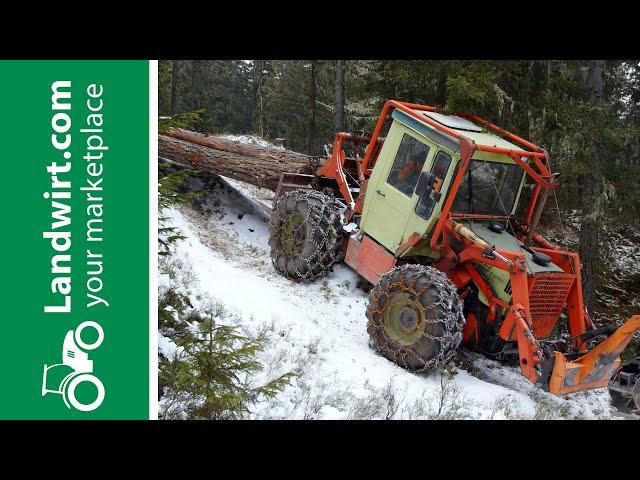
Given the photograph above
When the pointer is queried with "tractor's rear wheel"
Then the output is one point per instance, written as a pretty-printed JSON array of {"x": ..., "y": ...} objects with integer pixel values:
[
  {"x": 415, "y": 317},
  {"x": 305, "y": 234}
]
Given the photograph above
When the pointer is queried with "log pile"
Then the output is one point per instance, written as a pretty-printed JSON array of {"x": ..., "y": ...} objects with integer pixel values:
[{"x": 251, "y": 163}]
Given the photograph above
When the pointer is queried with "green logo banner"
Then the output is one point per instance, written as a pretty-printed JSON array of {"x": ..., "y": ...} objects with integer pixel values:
[{"x": 74, "y": 239}]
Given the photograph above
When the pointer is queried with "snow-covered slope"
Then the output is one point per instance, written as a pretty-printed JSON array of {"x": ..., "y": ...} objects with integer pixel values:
[{"x": 319, "y": 331}]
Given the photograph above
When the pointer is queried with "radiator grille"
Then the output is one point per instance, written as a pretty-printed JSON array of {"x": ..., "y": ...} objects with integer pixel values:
[{"x": 548, "y": 295}]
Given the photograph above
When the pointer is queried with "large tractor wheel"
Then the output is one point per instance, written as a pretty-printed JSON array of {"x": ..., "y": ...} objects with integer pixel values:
[
  {"x": 415, "y": 317},
  {"x": 305, "y": 233}
]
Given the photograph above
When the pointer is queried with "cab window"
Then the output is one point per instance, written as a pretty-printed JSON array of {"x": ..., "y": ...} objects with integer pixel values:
[
  {"x": 408, "y": 164},
  {"x": 488, "y": 188},
  {"x": 440, "y": 167}
]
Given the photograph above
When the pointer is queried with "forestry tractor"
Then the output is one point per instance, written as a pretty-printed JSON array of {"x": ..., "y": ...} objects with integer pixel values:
[{"x": 440, "y": 217}]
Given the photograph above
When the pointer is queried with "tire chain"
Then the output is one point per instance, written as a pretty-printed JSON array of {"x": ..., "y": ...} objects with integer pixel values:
[
  {"x": 324, "y": 230},
  {"x": 417, "y": 280}
]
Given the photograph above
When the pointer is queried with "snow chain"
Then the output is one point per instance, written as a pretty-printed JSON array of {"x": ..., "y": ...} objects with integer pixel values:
[
  {"x": 311, "y": 255},
  {"x": 438, "y": 333}
]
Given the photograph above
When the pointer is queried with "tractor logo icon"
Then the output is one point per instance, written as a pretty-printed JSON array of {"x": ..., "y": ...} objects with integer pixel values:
[{"x": 75, "y": 369}]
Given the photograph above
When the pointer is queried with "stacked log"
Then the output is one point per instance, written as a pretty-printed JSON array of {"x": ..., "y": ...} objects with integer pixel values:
[{"x": 249, "y": 162}]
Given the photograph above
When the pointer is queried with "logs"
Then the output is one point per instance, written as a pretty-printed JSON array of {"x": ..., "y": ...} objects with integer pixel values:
[{"x": 259, "y": 165}]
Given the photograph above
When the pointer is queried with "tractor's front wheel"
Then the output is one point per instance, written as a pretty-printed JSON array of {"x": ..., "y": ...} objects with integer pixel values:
[
  {"x": 415, "y": 317},
  {"x": 305, "y": 234}
]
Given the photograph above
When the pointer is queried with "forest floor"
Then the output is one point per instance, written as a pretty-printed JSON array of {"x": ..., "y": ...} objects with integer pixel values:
[{"x": 318, "y": 330}]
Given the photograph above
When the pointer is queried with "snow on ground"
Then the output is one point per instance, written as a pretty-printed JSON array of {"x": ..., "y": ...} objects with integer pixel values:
[
  {"x": 319, "y": 331},
  {"x": 250, "y": 140}
]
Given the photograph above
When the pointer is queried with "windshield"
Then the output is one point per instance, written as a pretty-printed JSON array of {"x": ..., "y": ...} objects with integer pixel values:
[{"x": 488, "y": 188}]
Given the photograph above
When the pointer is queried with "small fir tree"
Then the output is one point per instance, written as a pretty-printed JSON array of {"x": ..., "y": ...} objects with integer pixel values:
[{"x": 212, "y": 374}]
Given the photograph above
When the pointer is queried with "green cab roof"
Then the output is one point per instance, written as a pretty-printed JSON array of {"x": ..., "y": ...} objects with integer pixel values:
[{"x": 464, "y": 127}]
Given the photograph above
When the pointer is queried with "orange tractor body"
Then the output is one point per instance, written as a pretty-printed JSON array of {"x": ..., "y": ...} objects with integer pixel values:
[{"x": 459, "y": 243}]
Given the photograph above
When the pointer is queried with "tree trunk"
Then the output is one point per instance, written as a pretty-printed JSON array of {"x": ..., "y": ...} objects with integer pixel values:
[
  {"x": 196, "y": 84},
  {"x": 441, "y": 91},
  {"x": 196, "y": 88},
  {"x": 174, "y": 87},
  {"x": 254, "y": 164},
  {"x": 312, "y": 108},
  {"x": 339, "y": 96},
  {"x": 595, "y": 82},
  {"x": 258, "y": 67},
  {"x": 590, "y": 230}
]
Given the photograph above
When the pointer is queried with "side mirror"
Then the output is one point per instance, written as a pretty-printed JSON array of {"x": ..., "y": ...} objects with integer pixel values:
[{"x": 425, "y": 184}]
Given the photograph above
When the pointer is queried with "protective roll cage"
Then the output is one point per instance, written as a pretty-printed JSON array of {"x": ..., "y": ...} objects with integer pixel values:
[{"x": 541, "y": 363}]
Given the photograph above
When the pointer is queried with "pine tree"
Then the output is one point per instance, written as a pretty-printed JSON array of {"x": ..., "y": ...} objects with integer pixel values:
[
  {"x": 175, "y": 78},
  {"x": 196, "y": 89},
  {"x": 212, "y": 375},
  {"x": 258, "y": 97},
  {"x": 313, "y": 86},
  {"x": 164, "y": 86},
  {"x": 592, "y": 186},
  {"x": 339, "y": 96}
]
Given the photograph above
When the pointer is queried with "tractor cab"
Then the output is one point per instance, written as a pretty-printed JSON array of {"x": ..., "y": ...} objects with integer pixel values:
[
  {"x": 412, "y": 178},
  {"x": 397, "y": 206}
]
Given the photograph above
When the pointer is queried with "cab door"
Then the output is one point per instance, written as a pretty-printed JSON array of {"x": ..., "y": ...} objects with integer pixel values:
[
  {"x": 390, "y": 195},
  {"x": 427, "y": 210}
]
